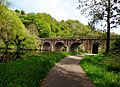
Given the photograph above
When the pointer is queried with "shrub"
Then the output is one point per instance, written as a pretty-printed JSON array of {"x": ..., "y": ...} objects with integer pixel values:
[{"x": 97, "y": 68}]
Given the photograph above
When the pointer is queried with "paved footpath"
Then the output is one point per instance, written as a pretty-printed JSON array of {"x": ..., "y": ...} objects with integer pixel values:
[{"x": 67, "y": 73}]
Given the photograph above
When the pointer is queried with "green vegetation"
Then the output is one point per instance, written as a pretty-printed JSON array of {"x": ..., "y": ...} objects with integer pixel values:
[
  {"x": 28, "y": 72},
  {"x": 100, "y": 70},
  {"x": 11, "y": 27},
  {"x": 115, "y": 55},
  {"x": 104, "y": 70},
  {"x": 29, "y": 27},
  {"x": 47, "y": 26},
  {"x": 100, "y": 12},
  {"x": 21, "y": 30}
]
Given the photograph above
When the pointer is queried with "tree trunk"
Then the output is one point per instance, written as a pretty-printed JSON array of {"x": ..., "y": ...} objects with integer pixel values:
[
  {"x": 108, "y": 28},
  {"x": 6, "y": 46}
]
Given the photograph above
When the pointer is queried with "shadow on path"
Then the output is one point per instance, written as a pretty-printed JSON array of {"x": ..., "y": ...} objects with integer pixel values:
[{"x": 67, "y": 73}]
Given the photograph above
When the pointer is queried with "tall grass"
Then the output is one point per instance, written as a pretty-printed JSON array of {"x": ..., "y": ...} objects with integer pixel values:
[
  {"x": 28, "y": 72},
  {"x": 97, "y": 69}
]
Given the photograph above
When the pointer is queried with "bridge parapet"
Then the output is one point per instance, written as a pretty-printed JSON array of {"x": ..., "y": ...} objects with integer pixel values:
[{"x": 82, "y": 38}]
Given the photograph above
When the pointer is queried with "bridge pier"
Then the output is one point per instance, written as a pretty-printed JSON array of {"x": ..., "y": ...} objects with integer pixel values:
[
  {"x": 52, "y": 48},
  {"x": 67, "y": 48}
]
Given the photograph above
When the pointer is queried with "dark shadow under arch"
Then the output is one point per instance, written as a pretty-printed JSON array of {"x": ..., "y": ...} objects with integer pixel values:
[
  {"x": 95, "y": 48},
  {"x": 46, "y": 46},
  {"x": 74, "y": 46},
  {"x": 59, "y": 47}
]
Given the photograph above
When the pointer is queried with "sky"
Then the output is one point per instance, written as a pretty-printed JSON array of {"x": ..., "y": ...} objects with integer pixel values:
[{"x": 59, "y": 9}]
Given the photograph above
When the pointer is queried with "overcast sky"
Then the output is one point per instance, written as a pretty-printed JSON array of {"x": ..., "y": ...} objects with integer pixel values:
[{"x": 59, "y": 9}]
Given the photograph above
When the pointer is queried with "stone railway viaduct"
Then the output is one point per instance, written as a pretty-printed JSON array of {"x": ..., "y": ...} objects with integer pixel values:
[
  {"x": 71, "y": 44},
  {"x": 90, "y": 45}
]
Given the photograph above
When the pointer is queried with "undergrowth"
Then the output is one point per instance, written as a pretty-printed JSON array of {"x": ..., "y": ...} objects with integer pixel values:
[
  {"x": 100, "y": 70},
  {"x": 29, "y": 72}
]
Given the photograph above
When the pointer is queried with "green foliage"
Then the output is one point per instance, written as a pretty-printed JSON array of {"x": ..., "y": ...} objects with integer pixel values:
[
  {"x": 28, "y": 72},
  {"x": 22, "y": 12},
  {"x": 11, "y": 26},
  {"x": 103, "y": 11},
  {"x": 116, "y": 45},
  {"x": 16, "y": 10},
  {"x": 45, "y": 17},
  {"x": 49, "y": 27},
  {"x": 114, "y": 56},
  {"x": 37, "y": 25},
  {"x": 28, "y": 18},
  {"x": 31, "y": 42},
  {"x": 96, "y": 67},
  {"x": 43, "y": 29}
]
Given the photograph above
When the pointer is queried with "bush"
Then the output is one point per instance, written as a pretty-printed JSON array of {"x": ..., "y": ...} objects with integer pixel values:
[
  {"x": 114, "y": 58},
  {"x": 97, "y": 68}
]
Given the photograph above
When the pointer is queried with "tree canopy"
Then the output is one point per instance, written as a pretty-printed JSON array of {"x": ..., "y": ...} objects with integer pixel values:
[
  {"x": 48, "y": 26},
  {"x": 11, "y": 26},
  {"x": 27, "y": 27},
  {"x": 107, "y": 11}
]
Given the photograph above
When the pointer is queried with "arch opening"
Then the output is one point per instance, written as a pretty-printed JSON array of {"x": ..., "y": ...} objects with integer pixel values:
[
  {"x": 46, "y": 46},
  {"x": 74, "y": 47},
  {"x": 95, "y": 48},
  {"x": 81, "y": 48},
  {"x": 59, "y": 47}
]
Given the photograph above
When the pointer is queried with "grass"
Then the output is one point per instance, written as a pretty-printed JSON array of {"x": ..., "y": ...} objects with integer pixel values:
[
  {"x": 97, "y": 68},
  {"x": 28, "y": 72}
]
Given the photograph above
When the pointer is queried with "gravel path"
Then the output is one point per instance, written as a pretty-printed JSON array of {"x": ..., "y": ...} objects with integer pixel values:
[{"x": 67, "y": 73}]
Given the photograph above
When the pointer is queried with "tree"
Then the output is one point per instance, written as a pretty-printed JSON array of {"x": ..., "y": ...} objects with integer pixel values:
[
  {"x": 28, "y": 19},
  {"x": 4, "y": 23},
  {"x": 10, "y": 26},
  {"x": 65, "y": 30},
  {"x": 47, "y": 26},
  {"x": 18, "y": 42},
  {"x": 102, "y": 10},
  {"x": 22, "y": 12},
  {"x": 16, "y": 10},
  {"x": 44, "y": 28}
]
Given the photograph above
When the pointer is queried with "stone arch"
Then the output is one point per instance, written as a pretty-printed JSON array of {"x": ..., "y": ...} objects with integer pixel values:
[
  {"x": 58, "y": 47},
  {"x": 95, "y": 47},
  {"x": 46, "y": 46},
  {"x": 74, "y": 46}
]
